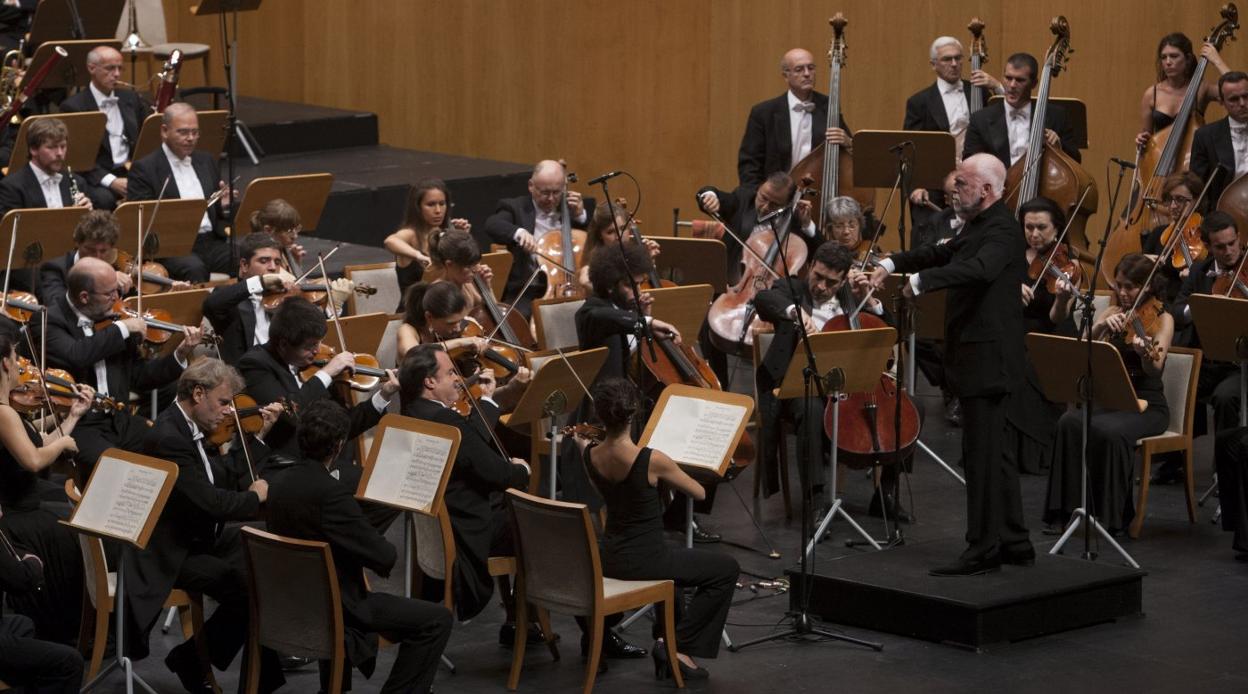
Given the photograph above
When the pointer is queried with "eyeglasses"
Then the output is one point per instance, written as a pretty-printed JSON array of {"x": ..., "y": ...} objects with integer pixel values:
[
  {"x": 110, "y": 292},
  {"x": 801, "y": 68},
  {"x": 950, "y": 59},
  {"x": 1178, "y": 200}
]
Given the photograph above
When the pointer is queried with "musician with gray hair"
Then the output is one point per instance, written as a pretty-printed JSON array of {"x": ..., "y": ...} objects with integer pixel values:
[{"x": 124, "y": 110}]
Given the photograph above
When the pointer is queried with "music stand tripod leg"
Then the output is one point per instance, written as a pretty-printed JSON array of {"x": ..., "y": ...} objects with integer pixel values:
[
  {"x": 122, "y": 661},
  {"x": 689, "y": 545},
  {"x": 910, "y": 369},
  {"x": 836, "y": 507}
]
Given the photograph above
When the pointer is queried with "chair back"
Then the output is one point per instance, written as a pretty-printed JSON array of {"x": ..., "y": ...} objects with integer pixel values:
[
  {"x": 296, "y": 608},
  {"x": 556, "y": 552},
  {"x": 379, "y": 276},
  {"x": 1180, "y": 377},
  {"x": 95, "y": 573},
  {"x": 554, "y": 321},
  {"x": 1099, "y": 303}
]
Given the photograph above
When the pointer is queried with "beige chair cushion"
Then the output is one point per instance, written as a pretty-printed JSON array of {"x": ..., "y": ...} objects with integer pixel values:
[
  {"x": 1175, "y": 377},
  {"x": 384, "y": 280},
  {"x": 559, "y": 325},
  {"x": 612, "y": 587}
]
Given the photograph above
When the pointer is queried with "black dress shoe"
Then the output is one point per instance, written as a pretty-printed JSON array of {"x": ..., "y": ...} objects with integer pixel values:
[
  {"x": 613, "y": 646},
  {"x": 896, "y": 512},
  {"x": 969, "y": 567},
  {"x": 663, "y": 667},
  {"x": 183, "y": 662},
  {"x": 290, "y": 663},
  {"x": 1019, "y": 557},
  {"x": 507, "y": 635}
]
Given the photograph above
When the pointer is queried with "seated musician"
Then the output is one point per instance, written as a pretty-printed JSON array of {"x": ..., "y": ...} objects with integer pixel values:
[
  {"x": 281, "y": 220},
  {"x": 1031, "y": 428},
  {"x": 308, "y": 503},
  {"x": 286, "y": 368},
  {"x": 46, "y": 182},
  {"x": 633, "y": 547},
  {"x": 95, "y": 236},
  {"x": 29, "y": 501},
  {"x": 106, "y": 357},
  {"x": 428, "y": 207},
  {"x": 768, "y": 146},
  {"x": 235, "y": 310},
  {"x": 814, "y": 301},
  {"x": 26, "y": 661},
  {"x": 1218, "y": 143},
  {"x": 1178, "y": 195},
  {"x": 125, "y": 111},
  {"x": 1176, "y": 65},
  {"x": 191, "y": 548},
  {"x": 1219, "y": 381},
  {"x": 1230, "y": 460},
  {"x": 458, "y": 258},
  {"x": 604, "y": 231},
  {"x": 1112, "y": 435},
  {"x": 519, "y": 223},
  {"x": 191, "y": 174},
  {"x": 1003, "y": 129}
]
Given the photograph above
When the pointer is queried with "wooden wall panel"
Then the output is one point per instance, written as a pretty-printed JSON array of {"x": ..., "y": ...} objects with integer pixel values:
[{"x": 662, "y": 87}]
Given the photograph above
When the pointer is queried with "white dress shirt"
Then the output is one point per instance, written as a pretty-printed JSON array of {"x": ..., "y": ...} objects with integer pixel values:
[
  {"x": 956, "y": 110},
  {"x": 189, "y": 187},
  {"x": 198, "y": 437},
  {"x": 88, "y": 328},
  {"x": 1239, "y": 141},
  {"x": 548, "y": 221},
  {"x": 255, "y": 287},
  {"x": 114, "y": 126},
  {"x": 801, "y": 120},
  {"x": 888, "y": 264},
  {"x": 50, "y": 184},
  {"x": 380, "y": 402},
  {"x": 1018, "y": 125}
]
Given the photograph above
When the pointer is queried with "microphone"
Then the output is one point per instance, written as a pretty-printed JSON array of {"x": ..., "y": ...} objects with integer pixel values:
[
  {"x": 901, "y": 145},
  {"x": 600, "y": 179},
  {"x": 1123, "y": 163}
]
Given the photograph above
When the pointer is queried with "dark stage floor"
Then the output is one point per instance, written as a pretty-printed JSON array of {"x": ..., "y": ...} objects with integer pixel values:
[{"x": 1189, "y": 639}]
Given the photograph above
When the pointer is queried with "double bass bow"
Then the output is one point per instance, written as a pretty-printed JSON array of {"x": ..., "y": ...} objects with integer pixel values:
[
  {"x": 830, "y": 167},
  {"x": 1045, "y": 170}
]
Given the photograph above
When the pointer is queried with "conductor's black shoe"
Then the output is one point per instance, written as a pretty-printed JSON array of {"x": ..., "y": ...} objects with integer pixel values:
[
  {"x": 183, "y": 662},
  {"x": 702, "y": 536},
  {"x": 896, "y": 512},
  {"x": 1020, "y": 557},
  {"x": 507, "y": 635},
  {"x": 969, "y": 567},
  {"x": 613, "y": 646}
]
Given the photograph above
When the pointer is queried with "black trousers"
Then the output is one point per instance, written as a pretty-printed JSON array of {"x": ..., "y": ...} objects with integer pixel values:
[
  {"x": 994, "y": 505},
  {"x": 40, "y": 666},
  {"x": 712, "y": 576},
  {"x": 1230, "y": 457},
  {"x": 1219, "y": 387},
  {"x": 97, "y": 433},
  {"x": 421, "y": 630},
  {"x": 811, "y": 451},
  {"x": 189, "y": 268}
]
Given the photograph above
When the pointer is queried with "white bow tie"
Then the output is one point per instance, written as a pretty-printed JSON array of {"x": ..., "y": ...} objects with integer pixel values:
[
  {"x": 805, "y": 107},
  {"x": 108, "y": 101},
  {"x": 54, "y": 180},
  {"x": 1018, "y": 114}
]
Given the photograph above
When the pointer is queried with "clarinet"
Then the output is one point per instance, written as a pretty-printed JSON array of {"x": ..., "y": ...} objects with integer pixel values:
[{"x": 73, "y": 186}]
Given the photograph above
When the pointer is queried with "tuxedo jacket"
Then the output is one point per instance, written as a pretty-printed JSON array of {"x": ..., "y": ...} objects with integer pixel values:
[
  {"x": 925, "y": 109},
  {"x": 133, "y": 112},
  {"x": 737, "y": 209},
  {"x": 229, "y": 309},
  {"x": 1211, "y": 146},
  {"x": 147, "y": 176},
  {"x": 988, "y": 133},
  {"x": 767, "y": 145},
  {"x": 306, "y": 502},
  {"x": 980, "y": 271},
  {"x": 21, "y": 190},
  {"x": 937, "y": 227},
  {"x": 1198, "y": 281},
  {"x": 53, "y": 274},
  {"x": 193, "y": 516},
  {"x": 600, "y": 323},
  {"x": 479, "y": 471},
  {"x": 520, "y": 213},
  {"x": 269, "y": 380}
]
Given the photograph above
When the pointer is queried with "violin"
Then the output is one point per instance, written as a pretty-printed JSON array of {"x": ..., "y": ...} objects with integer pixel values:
[
  {"x": 1053, "y": 265},
  {"x": 363, "y": 376},
  {"x": 160, "y": 325},
  {"x": 1189, "y": 249},
  {"x": 559, "y": 255},
  {"x": 154, "y": 276},
  {"x": 20, "y": 306},
  {"x": 867, "y": 431},
  {"x": 1143, "y": 321},
  {"x": 1233, "y": 284},
  {"x": 315, "y": 292},
  {"x": 501, "y": 359},
  {"x": 593, "y": 433},
  {"x": 248, "y": 415},
  {"x": 27, "y": 395}
]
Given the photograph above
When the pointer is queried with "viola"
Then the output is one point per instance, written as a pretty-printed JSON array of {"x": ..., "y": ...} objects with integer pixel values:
[
  {"x": 27, "y": 394},
  {"x": 1053, "y": 265},
  {"x": 1189, "y": 249},
  {"x": 154, "y": 276},
  {"x": 867, "y": 431},
  {"x": 248, "y": 415},
  {"x": 363, "y": 376},
  {"x": 559, "y": 254}
]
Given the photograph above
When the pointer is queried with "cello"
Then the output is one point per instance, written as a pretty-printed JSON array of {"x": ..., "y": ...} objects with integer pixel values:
[
  {"x": 559, "y": 255},
  {"x": 1045, "y": 170},
  {"x": 829, "y": 167},
  {"x": 1167, "y": 151}
]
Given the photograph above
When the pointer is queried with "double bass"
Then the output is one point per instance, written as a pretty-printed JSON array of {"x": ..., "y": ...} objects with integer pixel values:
[
  {"x": 559, "y": 255},
  {"x": 1045, "y": 170},
  {"x": 829, "y": 167},
  {"x": 979, "y": 56},
  {"x": 1167, "y": 151}
]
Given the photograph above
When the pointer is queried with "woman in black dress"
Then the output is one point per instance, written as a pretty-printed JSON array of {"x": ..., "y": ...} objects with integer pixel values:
[
  {"x": 428, "y": 209},
  {"x": 1176, "y": 65},
  {"x": 1112, "y": 436},
  {"x": 633, "y": 548},
  {"x": 27, "y": 519},
  {"x": 1033, "y": 419}
]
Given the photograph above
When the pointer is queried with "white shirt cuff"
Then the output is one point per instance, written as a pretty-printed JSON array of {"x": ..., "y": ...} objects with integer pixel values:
[
  {"x": 255, "y": 284},
  {"x": 791, "y": 312},
  {"x": 486, "y": 398},
  {"x": 325, "y": 378},
  {"x": 516, "y": 236},
  {"x": 889, "y": 265},
  {"x": 107, "y": 180},
  {"x": 914, "y": 284},
  {"x": 1187, "y": 312},
  {"x": 380, "y": 402},
  {"x": 125, "y": 332},
  {"x": 178, "y": 358},
  {"x": 580, "y": 218},
  {"x": 809, "y": 229}
]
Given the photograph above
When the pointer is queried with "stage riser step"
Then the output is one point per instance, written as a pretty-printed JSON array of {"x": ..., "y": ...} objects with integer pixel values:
[{"x": 295, "y": 137}]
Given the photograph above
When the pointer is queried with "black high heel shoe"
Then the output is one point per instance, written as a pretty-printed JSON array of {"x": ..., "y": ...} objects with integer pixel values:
[{"x": 663, "y": 667}]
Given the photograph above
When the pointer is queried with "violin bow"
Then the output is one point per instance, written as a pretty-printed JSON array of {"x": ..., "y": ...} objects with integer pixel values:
[
  {"x": 1053, "y": 252},
  {"x": 511, "y": 307},
  {"x": 143, "y": 235},
  {"x": 476, "y": 407},
  {"x": 329, "y": 301},
  {"x": 238, "y": 423},
  {"x": 1243, "y": 255},
  {"x": 321, "y": 264},
  {"x": 1175, "y": 237},
  {"x": 728, "y": 231},
  {"x": 47, "y": 399}
]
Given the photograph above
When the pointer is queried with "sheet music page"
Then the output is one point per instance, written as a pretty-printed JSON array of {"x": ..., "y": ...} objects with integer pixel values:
[
  {"x": 120, "y": 498},
  {"x": 697, "y": 432},
  {"x": 408, "y": 469}
]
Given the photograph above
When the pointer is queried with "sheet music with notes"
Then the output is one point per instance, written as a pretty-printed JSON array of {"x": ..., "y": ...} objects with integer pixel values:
[
  {"x": 408, "y": 469},
  {"x": 697, "y": 431},
  {"x": 120, "y": 498}
]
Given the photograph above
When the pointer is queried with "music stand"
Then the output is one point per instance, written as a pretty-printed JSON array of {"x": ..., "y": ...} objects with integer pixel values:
[
  {"x": 85, "y": 129},
  {"x": 363, "y": 333},
  {"x": 185, "y": 307},
  {"x": 211, "y": 134},
  {"x": 692, "y": 261},
  {"x": 72, "y": 70},
  {"x": 684, "y": 307},
  {"x": 1061, "y": 365},
  {"x": 500, "y": 263},
  {"x": 555, "y": 390},
  {"x": 902, "y": 160},
  {"x": 54, "y": 21},
  {"x": 1222, "y": 323},
  {"x": 307, "y": 193},
  {"x": 236, "y": 127},
  {"x": 173, "y": 232},
  {"x": 122, "y": 501},
  {"x": 42, "y": 234},
  {"x": 1076, "y": 113}
]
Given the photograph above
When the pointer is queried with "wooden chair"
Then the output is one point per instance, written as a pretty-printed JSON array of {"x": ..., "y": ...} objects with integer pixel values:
[
  {"x": 296, "y": 608},
  {"x": 762, "y": 342},
  {"x": 554, "y": 323},
  {"x": 380, "y": 276},
  {"x": 100, "y": 586},
  {"x": 559, "y": 570},
  {"x": 1180, "y": 378}
]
